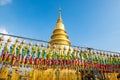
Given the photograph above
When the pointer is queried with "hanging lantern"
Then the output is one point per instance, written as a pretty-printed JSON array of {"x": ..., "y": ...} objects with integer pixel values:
[
  {"x": 1, "y": 39},
  {"x": 33, "y": 51}
]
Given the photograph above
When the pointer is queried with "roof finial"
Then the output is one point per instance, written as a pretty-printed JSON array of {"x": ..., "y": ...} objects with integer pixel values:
[
  {"x": 60, "y": 10},
  {"x": 59, "y": 15}
]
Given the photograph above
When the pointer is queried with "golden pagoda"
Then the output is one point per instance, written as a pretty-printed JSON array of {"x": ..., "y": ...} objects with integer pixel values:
[{"x": 59, "y": 35}]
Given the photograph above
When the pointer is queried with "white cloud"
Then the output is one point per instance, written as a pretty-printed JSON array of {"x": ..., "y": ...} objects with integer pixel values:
[
  {"x": 4, "y": 31},
  {"x": 4, "y": 2}
]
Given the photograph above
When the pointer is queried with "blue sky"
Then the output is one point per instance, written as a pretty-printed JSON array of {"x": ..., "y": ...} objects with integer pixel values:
[{"x": 93, "y": 23}]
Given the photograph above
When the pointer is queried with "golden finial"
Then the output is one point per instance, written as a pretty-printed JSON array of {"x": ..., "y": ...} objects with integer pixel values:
[
  {"x": 42, "y": 45},
  {"x": 65, "y": 48},
  {"x": 30, "y": 43},
  {"x": 59, "y": 15},
  {"x": 70, "y": 49},
  {"x": 18, "y": 40},
  {"x": 60, "y": 48},
  {"x": 48, "y": 46},
  {"x": 23, "y": 42},
  {"x": 54, "y": 46},
  {"x": 60, "y": 10},
  {"x": 1, "y": 38},
  {"x": 37, "y": 44},
  {"x": 9, "y": 39}
]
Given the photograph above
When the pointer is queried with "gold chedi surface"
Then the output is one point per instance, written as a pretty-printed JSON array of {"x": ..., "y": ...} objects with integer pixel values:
[{"x": 59, "y": 34}]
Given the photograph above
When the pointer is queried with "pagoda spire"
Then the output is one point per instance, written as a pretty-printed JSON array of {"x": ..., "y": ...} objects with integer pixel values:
[
  {"x": 59, "y": 15},
  {"x": 59, "y": 33}
]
